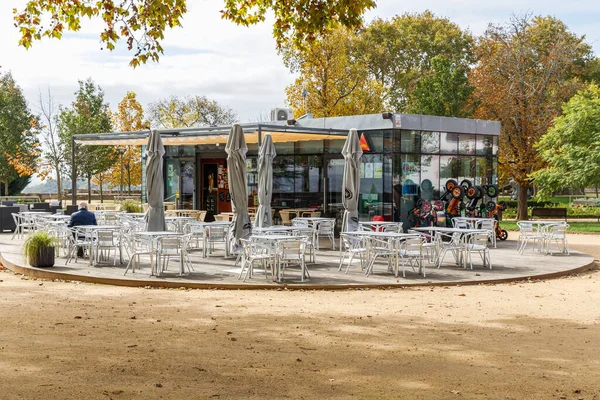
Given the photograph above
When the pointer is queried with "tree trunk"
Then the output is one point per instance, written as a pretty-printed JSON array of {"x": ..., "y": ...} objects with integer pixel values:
[
  {"x": 58, "y": 186},
  {"x": 522, "y": 202},
  {"x": 101, "y": 194},
  {"x": 89, "y": 181},
  {"x": 6, "y": 188},
  {"x": 596, "y": 191},
  {"x": 129, "y": 180}
]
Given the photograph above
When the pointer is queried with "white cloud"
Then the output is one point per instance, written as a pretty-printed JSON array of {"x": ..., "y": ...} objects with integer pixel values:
[{"x": 234, "y": 65}]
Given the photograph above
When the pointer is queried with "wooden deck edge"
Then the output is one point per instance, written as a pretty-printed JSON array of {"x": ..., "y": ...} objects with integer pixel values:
[{"x": 49, "y": 274}]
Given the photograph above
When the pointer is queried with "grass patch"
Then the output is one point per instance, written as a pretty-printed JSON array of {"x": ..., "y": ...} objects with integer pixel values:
[{"x": 574, "y": 226}]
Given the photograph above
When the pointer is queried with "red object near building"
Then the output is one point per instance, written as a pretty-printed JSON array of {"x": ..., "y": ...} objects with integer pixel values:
[{"x": 377, "y": 218}]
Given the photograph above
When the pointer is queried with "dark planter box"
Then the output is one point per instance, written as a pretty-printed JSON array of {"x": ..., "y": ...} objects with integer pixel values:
[{"x": 44, "y": 258}]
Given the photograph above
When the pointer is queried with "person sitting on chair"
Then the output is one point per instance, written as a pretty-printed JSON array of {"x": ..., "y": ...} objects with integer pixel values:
[{"x": 82, "y": 217}]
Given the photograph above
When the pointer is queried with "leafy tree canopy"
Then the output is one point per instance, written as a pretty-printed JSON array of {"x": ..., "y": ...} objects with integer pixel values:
[
  {"x": 571, "y": 148},
  {"x": 142, "y": 23},
  {"x": 189, "y": 111}
]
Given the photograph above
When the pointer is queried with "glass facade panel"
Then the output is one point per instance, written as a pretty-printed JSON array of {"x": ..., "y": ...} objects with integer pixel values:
[
  {"x": 430, "y": 142},
  {"x": 309, "y": 147},
  {"x": 334, "y": 146},
  {"x": 284, "y": 148},
  {"x": 430, "y": 171},
  {"x": 466, "y": 169},
  {"x": 484, "y": 145},
  {"x": 448, "y": 169},
  {"x": 371, "y": 185},
  {"x": 495, "y": 145},
  {"x": 374, "y": 140},
  {"x": 283, "y": 181},
  {"x": 466, "y": 144},
  {"x": 172, "y": 178},
  {"x": 410, "y": 141},
  {"x": 449, "y": 143}
]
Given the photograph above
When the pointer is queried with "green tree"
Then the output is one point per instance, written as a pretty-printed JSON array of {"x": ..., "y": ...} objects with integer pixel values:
[
  {"x": 87, "y": 114},
  {"x": 142, "y": 23},
  {"x": 398, "y": 53},
  {"x": 19, "y": 146},
  {"x": 188, "y": 112},
  {"x": 331, "y": 82},
  {"x": 445, "y": 91},
  {"x": 570, "y": 150},
  {"x": 526, "y": 70}
]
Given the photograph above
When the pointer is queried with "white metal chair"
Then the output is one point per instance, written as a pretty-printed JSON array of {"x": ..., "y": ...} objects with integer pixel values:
[
  {"x": 214, "y": 234},
  {"x": 292, "y": 252},
  {"x": 78, "y": 239},
  {"x": 460, "y": 223},
  {"x": 411, "y": 252},
  {"x": 136, "y": 247},
  {"x": 351, "y": 247},
  {"x": 489, "y": 225},
  {"x": 23, "y": 225},
  {"x": 558, "y": 234},
  {"x": 527, "y": 233},
  {"x": 254, "y": 252},
  {"x": 168, "y": 247},
  {"x": 326, "y": 229},
  {"x": 103, "y": 242},
  {"x": 455, "y": 245},
  {"x": 478, "y": 243},
  {"x": 380, "y": 248}
]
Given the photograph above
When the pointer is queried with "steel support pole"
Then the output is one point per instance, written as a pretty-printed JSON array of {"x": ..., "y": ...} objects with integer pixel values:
[{"x": 73, "y": 173}]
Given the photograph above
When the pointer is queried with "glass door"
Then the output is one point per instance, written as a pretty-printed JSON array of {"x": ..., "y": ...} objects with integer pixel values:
[
  {"x": 186, "y": 185},
  {"x": 334, "y": 175}
]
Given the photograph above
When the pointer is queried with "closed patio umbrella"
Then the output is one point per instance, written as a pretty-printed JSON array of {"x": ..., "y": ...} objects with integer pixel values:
[
  {"x": 155, "y": 216},
  {"x": 265, "y": 182},
  {"x": 352, "y": 153},
  {"x": 236, "y": 149}
]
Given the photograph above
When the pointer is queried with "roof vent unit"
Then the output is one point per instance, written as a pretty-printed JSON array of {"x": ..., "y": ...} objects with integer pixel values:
[{"x": 281, "y": 114}]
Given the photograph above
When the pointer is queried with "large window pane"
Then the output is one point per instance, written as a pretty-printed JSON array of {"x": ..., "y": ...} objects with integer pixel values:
[
  {"x": 484, "y": 145},
  {"x": 430, "y": 142},
  {"x": 309, "y": 147},
  {"x": 284, "y": 148},
  {"x": 495, "y": 145},
  {"x": 406, "y": 192},
  {"x": 334, "y": 146},
  {"x": 371, "y": 185},
  {"x": 466, "y": 169},
  {"x": 309, "y": 175},
  {"x": 410, "y": 141},
  {"x": 283, "y": 181},
  {"x": 430, "y": 177},
  {"x": 172, "y": 181},
  {"x": 448, "y": 169},
  {"x": 466, "y": 144},
  {"x": 448, "y": 143},
  {"x": 374, "y": 140}
]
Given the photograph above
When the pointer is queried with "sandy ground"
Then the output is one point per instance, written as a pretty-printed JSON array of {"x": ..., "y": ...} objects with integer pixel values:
[{"x": 526, "y": 340}]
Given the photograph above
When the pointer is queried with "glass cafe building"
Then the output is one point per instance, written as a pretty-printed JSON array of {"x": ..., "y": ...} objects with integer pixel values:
[{"x": 404, "y": 157}]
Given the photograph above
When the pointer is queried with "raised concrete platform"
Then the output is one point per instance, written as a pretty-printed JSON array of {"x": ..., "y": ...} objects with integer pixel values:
[{"x": 219, "y": 273}]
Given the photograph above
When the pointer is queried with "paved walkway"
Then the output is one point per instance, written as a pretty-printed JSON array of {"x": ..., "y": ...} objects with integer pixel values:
[{"x": 219, "y": 272}]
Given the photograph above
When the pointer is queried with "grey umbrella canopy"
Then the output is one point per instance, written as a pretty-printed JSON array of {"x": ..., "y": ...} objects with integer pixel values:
[
  {"x": 155, "y": 185},
  {"x": 352, "y": 153},
  {"x": 236, "y": 150},
  {"x": 265, "y": 181}
]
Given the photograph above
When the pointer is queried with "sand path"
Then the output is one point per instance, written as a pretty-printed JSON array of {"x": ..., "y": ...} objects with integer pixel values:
[{"x": 526, "y": 340}]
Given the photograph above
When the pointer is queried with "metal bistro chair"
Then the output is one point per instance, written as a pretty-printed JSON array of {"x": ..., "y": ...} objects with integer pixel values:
[
  {"x": 103, "y": 242},
  {"x": 460, "y": 223},
  {"x": 350, "y": 247},
  {"x": 254, "y": 252},
  {"x": 526, "y": 233},
  {"x": 558, "y": 234},
  {"x": 478, "y": 243},
  {"x": 168, "y": 247},
  {"x": 411, "y": 251},
  {"x": 326, "y": 229},
  {"x": 489, "y": 225},
  {"x": 213, "y": 235},
  {"x": 381, "y": 248},
  {"x": 311, "y": 240},
  {"x": 23, "y": 225},
  {"x": 137, "y": 246},
  {"x": 77, "y": 239},
  {"x": 291, "y": 252}
]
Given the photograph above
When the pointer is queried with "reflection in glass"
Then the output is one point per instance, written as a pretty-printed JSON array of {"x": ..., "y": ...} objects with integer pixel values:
[
  {"x": 430, "y": 142},
  {"x": 410, "y": 141},
  {"x": 448, "y": 169},
  {"x": 466, "y": 144},
  {"x": 484, "y": 145},
  {"x": 309, "y": 147},
  {"x": 466, "y": 169},
  {"x": 449, "y": 143},
  {"x": 430, "y": 170},
  {"x": 371, "y": 186}
]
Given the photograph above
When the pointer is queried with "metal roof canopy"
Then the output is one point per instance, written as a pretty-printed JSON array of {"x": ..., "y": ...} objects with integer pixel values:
[{"x": 212, "y": 135}]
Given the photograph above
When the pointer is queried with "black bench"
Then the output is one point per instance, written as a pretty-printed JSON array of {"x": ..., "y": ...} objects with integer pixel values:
[{"x": 549, "y": 212}]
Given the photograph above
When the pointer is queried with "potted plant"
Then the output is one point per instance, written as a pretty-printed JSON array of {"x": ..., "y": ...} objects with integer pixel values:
[
  {"x": 130, "y": 207},
  {"x": 39, "y": 249}
]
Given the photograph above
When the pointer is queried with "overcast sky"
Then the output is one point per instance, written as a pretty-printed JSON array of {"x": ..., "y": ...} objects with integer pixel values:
[{"x": 236, "y": 66}]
